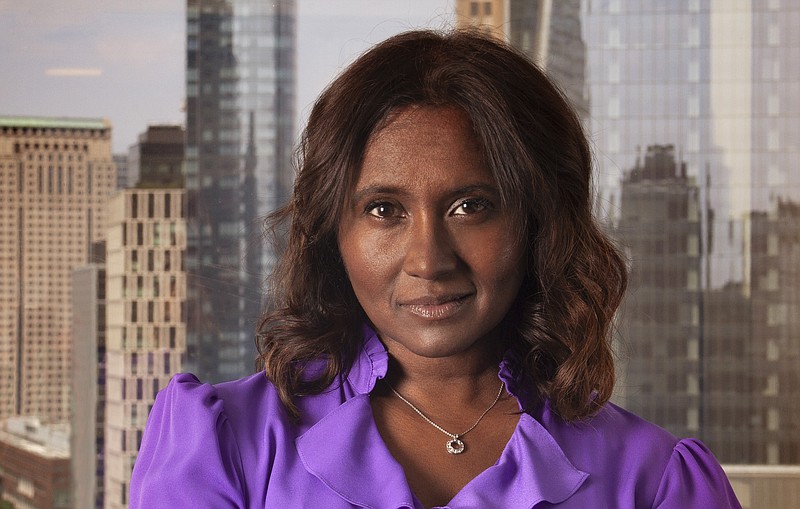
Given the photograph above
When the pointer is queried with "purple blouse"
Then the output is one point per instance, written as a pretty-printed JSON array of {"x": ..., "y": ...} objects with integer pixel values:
[{"x": 232, "y": 445}]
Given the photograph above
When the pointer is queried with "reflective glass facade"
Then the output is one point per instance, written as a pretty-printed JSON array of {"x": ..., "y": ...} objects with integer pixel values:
[
  {"x": 240, "y": 112},
  {"x": 550, "y": 33},
  {"x": 695, "y": 110}
]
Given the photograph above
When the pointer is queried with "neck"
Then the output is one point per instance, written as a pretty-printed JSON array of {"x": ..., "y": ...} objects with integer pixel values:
[{"x": 466, "y": 378}]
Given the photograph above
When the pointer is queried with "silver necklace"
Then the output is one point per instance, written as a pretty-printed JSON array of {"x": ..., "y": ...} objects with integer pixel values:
[{"x": 455, "y": 445}]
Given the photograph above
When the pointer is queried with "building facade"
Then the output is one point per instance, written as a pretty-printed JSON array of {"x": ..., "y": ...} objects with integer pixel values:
[
  {"x": 720, "y": 83},
  {"x": 240, "y": 83},
  {"x": 55, "y": 179}
]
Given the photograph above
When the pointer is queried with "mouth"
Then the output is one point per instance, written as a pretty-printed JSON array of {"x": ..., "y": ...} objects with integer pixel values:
[{"x": 436, "y": 307}]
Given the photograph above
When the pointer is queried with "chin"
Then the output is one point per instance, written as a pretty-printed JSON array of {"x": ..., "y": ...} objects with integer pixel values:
[{"x": 438, "y": 344}]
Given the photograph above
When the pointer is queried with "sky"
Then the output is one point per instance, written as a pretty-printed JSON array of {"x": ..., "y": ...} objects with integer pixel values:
[{"x": 124, "y": 60}]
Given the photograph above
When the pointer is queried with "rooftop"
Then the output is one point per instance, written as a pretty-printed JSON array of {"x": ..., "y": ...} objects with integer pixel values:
[
  {"x": 54, "y": 122},
  {"x": 28, "y": 434}
]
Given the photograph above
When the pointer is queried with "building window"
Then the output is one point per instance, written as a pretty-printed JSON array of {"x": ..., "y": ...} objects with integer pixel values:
[
  {"x": 473, "y": 9},
  {"x": 487, "y": 8},
  {"x": 773, "y": 35}
]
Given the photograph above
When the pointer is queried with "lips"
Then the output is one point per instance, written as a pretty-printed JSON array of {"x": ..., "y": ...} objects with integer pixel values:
[{"x": 436, "y": 307}]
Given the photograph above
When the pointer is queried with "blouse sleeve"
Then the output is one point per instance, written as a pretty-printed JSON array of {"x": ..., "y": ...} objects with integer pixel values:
[
  {"x": 694, "y": 479},
  {"x": 188, "y": 457}
]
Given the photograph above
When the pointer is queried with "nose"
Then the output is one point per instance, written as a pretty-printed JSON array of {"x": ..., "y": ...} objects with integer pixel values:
[{"x": 429, "y": 251}]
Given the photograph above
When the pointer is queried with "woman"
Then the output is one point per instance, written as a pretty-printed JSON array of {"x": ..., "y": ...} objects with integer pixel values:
[{"x": 441, "y": 332}]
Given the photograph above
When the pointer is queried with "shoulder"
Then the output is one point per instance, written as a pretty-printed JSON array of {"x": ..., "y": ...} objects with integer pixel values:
[
  {"x": 627, "y": 456},
  {"x": 613, "y": 431},
  {"x": 199, "y": 441},
  {"x": 694, "y": 478},
  {"x": 235, "y": 408}
]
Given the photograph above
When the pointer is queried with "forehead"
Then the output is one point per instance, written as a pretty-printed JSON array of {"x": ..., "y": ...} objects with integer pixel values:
[{"x": 422, "y": 143}]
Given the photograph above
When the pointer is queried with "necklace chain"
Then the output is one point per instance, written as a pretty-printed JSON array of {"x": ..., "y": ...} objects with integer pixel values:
[{"x": 455, "y": 445}]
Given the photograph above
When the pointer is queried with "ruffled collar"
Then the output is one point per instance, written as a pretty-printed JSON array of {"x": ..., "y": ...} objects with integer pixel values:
[
  {"x": 373, "y": 363},
  {"x": 346, "y": 452}
]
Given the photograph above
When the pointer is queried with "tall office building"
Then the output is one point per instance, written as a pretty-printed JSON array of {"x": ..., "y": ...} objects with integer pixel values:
[
  {"x": 156, "y": 159},
  {"x": 720, "y": 82},
  {"x": 771, "y": 357},
  {"x": 547, "y": 31},
  {"x": 87, "y": 440},
  {"x": 145, "y": 301},
  {"x": 661, "y": 226},
  {"x": 55, "y": 178},
  {"x": 239, "y": 140},
  {"x": 145, "y": 336}
]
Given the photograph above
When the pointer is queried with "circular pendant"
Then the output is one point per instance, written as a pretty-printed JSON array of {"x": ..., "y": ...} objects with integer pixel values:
[{"x": 455, "y": 446}]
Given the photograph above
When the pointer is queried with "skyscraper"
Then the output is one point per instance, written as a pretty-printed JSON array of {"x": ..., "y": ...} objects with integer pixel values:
[
  {"x": 55, "y": 178},
  {"x": 156, "y": 160},
  {"x": 145, "y": 337},
  {"x": 239, "y": 138},
  {"x": 145, "y": 301},
  {"x": 661, "y": 226},
  {"x": 87, "y": 440},
  {"x": 720, "y": 83}
]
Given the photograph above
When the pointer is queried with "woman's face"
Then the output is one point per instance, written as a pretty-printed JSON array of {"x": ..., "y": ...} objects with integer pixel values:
[{"x": 432, "y": 256}]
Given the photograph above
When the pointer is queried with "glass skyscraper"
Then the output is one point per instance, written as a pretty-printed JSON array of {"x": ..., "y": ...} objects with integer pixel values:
[
  {"x": 695, "y": 110},
  {"x": 240, "y": 80}
]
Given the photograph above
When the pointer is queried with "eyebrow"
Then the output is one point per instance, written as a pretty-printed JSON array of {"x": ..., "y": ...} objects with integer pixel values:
[{"x": 398, "y": 191}]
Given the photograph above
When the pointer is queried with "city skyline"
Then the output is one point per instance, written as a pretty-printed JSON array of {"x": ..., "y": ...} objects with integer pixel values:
[
  {"x": 81, "y": 59},
  {"x": 709, "y": 218}
]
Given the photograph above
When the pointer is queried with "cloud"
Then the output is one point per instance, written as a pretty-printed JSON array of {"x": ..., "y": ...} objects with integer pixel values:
[{"x": 74, "y": 71}]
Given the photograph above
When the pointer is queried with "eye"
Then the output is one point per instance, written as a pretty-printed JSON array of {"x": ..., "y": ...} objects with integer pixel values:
[
  {"x": 382, "y": 210},
  {"x": 469, "y": 206}
]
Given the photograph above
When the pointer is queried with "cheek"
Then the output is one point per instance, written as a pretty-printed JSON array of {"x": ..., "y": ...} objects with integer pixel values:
[
  {"x": 500, "y": 257},
  {"x": 367, "y": 263}
]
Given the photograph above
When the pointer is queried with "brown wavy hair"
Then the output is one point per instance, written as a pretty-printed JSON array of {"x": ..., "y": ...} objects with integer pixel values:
[{"x": 536, "y": 149}]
